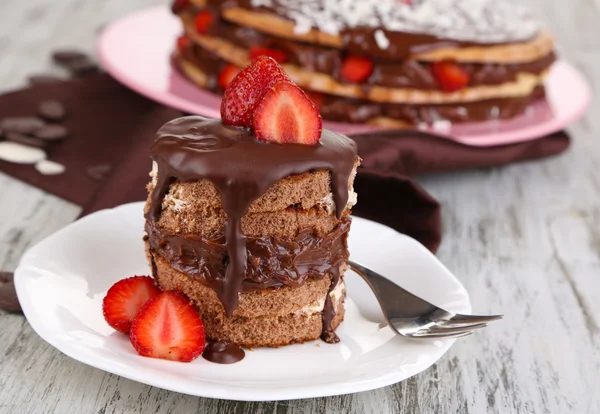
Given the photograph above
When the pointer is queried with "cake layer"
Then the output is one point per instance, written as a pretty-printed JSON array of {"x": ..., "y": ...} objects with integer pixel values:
[
  {"x": 294, "y": 202},
  {"x": 340, "y": 109},
  {"x": 521, "y": 84},
  {"x": 409, "y": 73},
  {"x": 328, "y": 60},
  {"x": 387, "y": 28},
  {"x": 269, "y": 317},
  {"x": 270, "y": 332},
  {"x": 268, "y": 302}
]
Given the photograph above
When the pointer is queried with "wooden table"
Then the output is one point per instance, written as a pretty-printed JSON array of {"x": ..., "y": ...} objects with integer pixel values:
[{"x": 524, "y": 240}]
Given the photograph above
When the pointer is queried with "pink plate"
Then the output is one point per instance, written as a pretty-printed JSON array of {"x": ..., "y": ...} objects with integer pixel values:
[{"x": 136, "y": 51}]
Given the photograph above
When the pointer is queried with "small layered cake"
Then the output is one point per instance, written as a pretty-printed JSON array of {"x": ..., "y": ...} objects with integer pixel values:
[
  {"x": 382, "y": 62},
  {"x": 248, "y": 216}
]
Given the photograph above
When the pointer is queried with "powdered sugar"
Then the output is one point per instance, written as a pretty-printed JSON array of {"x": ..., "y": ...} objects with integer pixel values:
[{"x": 484, "y": 21}]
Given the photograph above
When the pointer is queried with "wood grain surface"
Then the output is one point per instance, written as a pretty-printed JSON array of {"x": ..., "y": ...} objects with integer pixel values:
[{"x": 524, "y": 240}]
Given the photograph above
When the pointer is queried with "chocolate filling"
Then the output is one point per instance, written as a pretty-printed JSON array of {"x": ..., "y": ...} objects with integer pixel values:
[
  {"x": 404, "y": 73},
  {"x": 242, "y": 169},
  {"x": 272, "y": 261},
  {"x": 341, "y": 109},
  {"x": 338, "y": 109}
]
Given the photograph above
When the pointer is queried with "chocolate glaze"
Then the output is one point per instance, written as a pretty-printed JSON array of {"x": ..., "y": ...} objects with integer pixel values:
[
  {"x": 222, "y": 352},
  {"x": 342, "y": 109},
  {"x": 272, "y": 261},
  {"x": 361, "y": 39},
  {"x": 242, "y": 169}
]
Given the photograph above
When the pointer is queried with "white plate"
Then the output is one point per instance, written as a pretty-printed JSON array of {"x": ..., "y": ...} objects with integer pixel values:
[
  {"x": 62, "y": 280},
  {"x": 136, "y": 51}
]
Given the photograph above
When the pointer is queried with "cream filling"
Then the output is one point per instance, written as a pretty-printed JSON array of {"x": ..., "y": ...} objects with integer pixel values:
[
  {"x": 316, "y": 307},
  {"x": 329, "y": 203},
  {"x": 174, "y": 199}
]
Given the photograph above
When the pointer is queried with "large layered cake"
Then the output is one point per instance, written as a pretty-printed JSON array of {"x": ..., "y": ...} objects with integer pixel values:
[
  {"x": 383, "y": 62},
  {"x": 251, "y": 222}
]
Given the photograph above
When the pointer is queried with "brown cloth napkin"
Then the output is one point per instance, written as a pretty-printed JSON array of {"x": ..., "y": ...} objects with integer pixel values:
[
  {"x": 410, "y": 152},
  {"x": 111, "y": 124},
  {"x": 104, "y": 118}
]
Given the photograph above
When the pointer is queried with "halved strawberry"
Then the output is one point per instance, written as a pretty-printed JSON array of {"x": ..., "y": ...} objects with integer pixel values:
[
  {"x": 227, "y": 74},
  {"x": 356, "y": 69},
  {"x": 168, "y": 327},
  {"x": 450, "y": 75},
  {"x": 183, "y": 42},
  {"x": 124, "y": 300},
  {"x": 178, "y": 5},
  {"x": 203, "y": 21},
  {"x": 247, "y": 89},
  {"x": 278, "y": 55},
  {"x": 287, "y": 115}
]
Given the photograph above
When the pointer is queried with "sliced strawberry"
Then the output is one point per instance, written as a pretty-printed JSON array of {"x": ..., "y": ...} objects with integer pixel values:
[
  {"x": 287, "y": 115},
  {"x": 278, "y": 55},
  {"x": 168, "y": 327},
  {"x": 247, "y": 88},
  {"x": 203, "y": 21},
  {"x": 124, "y": 300},
  {"x": 227, "y": 74},
  {"x": 450, "y": 75},
  {"x": 356, "y": 69},
  {"x": 183, "y": 42},
  {"x": 178, "y": 5}
]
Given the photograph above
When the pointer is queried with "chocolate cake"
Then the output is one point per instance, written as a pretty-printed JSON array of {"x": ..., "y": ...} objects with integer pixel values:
[
  {"x": 254, "y": 233},
  {"x": 383, "y": 62}
]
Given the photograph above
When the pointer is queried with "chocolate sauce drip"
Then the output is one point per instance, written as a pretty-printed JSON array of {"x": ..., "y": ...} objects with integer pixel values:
[
  {"x": 242, "y": 169},
  {"x": 328, "y": 335},
  {"x": 222, "y": 352},
  {"x": 272, "y": 261}
]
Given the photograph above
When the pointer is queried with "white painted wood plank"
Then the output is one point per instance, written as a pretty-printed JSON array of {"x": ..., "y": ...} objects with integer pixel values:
[{"x": 523, "y": 239}]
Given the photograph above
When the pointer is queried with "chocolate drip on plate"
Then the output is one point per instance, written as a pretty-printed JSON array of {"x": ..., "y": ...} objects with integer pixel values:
[
  {"x": 222, "y": 352},
  {"x": 242, "y": 168}
]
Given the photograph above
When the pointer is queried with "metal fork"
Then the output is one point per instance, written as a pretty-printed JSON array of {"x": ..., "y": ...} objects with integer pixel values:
[{"x": 414, "y": 317}]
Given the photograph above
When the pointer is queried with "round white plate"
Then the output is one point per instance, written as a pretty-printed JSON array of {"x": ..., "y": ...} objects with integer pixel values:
[
  {"x": 136, "y": 51},
  {"x": 62, "y": 280}
]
